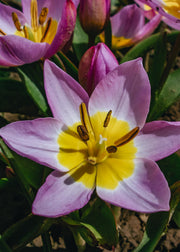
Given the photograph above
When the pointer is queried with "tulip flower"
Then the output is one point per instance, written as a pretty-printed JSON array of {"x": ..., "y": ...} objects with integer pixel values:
[
  {"x": 129, "y": 27},
  {"x": 96, "y": 62},
  {"x": 99, "y": 142},
  {"x": 42, "y": 29},
  {"x": 170, "y": 10},
  {"x": 94, "y": 15}
]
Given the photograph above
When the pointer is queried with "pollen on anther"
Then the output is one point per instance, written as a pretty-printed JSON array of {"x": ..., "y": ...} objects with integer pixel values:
[
  {"x": 82, "y": 132},
  {"x": 111, "y": 149},
  {"x": 107, "y": 119},
  {"x": 16, "y": 21},
  {"x": 43, "y": 15}
]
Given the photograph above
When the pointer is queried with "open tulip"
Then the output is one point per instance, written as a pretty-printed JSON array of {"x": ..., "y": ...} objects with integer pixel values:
[
  {"x": 94, "y": 65},
  {"x": 42, "y": 29},
  {"x": 129, "y": 27},
  {"x": 169, "y": 9},
  {"x": 94, "y": 15},
  {"x": 99, "y": 142}
]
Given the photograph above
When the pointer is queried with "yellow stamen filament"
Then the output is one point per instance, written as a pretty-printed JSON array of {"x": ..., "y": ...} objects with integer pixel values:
[
  {"x": 82, "y": 132},
  {"x": 128, "y": 137},
  {"x": 86, "y": 120},
  {"x": 48, "y": 24},
  {"x": 16, "y": 21},
  {"x": 26, "y": 34},
  {"x": 43, "y": 15},
  {"x": 107, "y": 119},
  {"x": 2, "y": 32},
  {"x": 34, "y": 15}
]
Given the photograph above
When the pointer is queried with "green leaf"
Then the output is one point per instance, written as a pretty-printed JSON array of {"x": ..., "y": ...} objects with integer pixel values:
[
  {"x": 157, "y": 64},
  {"x": 170, "y": 166},
  {"x": 168, "y": 95},
  {"x": 155, "y": 226},
  {"x": 25, "y": 230},
  {"x": 100, "y": 226},
  {"x": 157, "y": 223},
  {"x": 146, "y": 45},
  {"x": 3, "y": 245},
  {"x": 80, "y": 40},
  {"x": 27, "y": 170},
  {"x": 34, "y": 92},
  {"x": 14, "y": 96}
]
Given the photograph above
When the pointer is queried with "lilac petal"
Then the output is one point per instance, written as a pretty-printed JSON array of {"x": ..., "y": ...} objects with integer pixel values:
[
  {"x": 171, "y": 23},
  {"x": 94, "y": 66},
  {"x": 125, "y": 91},
  {"x": 127, "y": 22},
  {"x": 65, "y": 28},
  {"x": 64, "y": 94},
  {"x": 145, "y": 191},
  {"x": 60, "y": 195},
  {"x": 6, "y": 21},
  {"x": 158, "y": 140},
  {"x": 54, "y": 8},
  {"x": 157, "y": 5},
  {"x": 147, "y": 29},
  {"x": 35, "y": 139},
  {"x": 15, "y": 50}
]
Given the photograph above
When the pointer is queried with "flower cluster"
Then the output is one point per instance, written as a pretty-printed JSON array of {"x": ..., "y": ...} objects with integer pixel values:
[{"x": 98, "y": 138}]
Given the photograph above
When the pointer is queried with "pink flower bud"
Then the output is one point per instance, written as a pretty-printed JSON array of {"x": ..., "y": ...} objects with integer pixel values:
[
  {"x": 94, "y": 15},
  {"x": 94, "y": 65}
]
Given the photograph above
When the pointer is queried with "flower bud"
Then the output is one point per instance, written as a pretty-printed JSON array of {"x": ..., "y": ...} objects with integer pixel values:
[
  {"x": 94, "y": 15},
  {"x": 94, "y": 65}
]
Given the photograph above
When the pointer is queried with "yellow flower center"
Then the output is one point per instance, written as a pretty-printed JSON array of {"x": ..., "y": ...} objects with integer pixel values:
[
  {"x": 172, "y": 7},
  {"x": 41, "y": 30},
  {"x": 92, "y": 145}
]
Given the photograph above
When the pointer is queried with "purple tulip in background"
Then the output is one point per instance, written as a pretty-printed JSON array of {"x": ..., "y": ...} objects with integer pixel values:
[
  {"x": 129, "y": 27},
  {"x": 96, "y": 62},
  {"x": 43, "y": 28},
  {"x": 99, "y": 142},
  {"x": 94, "y": 15},
  {"x": 170, "y": 10}
]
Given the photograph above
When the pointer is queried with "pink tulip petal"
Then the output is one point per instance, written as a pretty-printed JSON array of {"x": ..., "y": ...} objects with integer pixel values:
[
  {"x": 125, "y": 91},
  {"x": 65, "y": 28},
  {"x": 64, "y": 94},
  {"x": 15, "y": 50},
  {"x": 127, "y": 22},
  {"x": 6, "y": 21},
  {"x": 60, "y": 195},
  {"x": 145, "y": 191},
  {"x": 158, "y": 140},
  {"x": 35, "y": 139}
]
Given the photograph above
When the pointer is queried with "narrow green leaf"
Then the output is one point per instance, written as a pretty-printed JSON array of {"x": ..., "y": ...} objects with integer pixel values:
[
  {"x": 70, "y": 67},
  {"x": 169, "y": 94},
  {"x": 108, "y": 35},
  {"x": 29, "y": 171},
  {"x": 25, "y": 230},
  {"x": 80, "y": 40},
  {"x": 176, "y": 216},
  {"x": 100, "y": 224},
  {"x": 157, "y": 65},
  {"x": 14, "y": 91},
  {"x": 144, "y": 46},
  {"x": 170, "y": 167},
  {"x": 34, "y": 92},
  {"x": 3, "y": 245}
]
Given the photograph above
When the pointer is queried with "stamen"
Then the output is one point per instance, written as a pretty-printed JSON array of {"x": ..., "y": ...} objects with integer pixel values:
[
  {"x": 25, "y": 30},
  {"x": 111, "y": 149},
  {"x": 128, "y": 137},
  {"x": 16, "y": 21},
  {"x": 107, "y": 119},
  {"x": 92, "y": 160},
  {"x": 82, "y": 132},
  {"x": 43, "y": 15},
  {"x": 48, "y": 24},
  {"x": 86, "y": 120},
  {"x": 2, "y": 33},
  {"x": 34, "y": 15}
]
